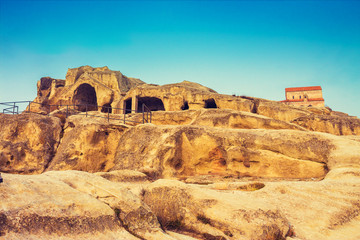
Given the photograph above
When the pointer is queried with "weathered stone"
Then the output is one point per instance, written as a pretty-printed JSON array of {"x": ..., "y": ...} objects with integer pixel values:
[
  {"x": 324, "y": 210},
  {"x": 88, "y": 144},
  {"x": 181, "y": 96},
  {"x": 211, "y": 216},
  {"x": 134, "y": 215},
  {"x": 237, "y": 119},
  {"x": 85, "y": 87},
  {"x": 193, "y": 150},
  {"x": 124, "y": 176},
  {"x": 45, "y": 207},
  {"x": 331, "y": 124},
  {"x": 263, "y": 169},
  {"x": 103, "y": 90},
  {"x": 280, "y": 111},
  {"x": 353, "y": 137},
  {"x": 224, "y": 118},
  {"x": 28, "y": 142}
]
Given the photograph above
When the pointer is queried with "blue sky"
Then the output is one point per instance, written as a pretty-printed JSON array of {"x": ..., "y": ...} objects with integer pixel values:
[{"x": 253, "y": 48}]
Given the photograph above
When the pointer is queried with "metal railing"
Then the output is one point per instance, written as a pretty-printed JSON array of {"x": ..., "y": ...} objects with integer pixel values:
[{"x": 77, "y": 109}]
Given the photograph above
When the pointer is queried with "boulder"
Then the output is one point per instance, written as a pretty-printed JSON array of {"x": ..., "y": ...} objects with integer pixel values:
[
  {"x": 88, "y": 144},
  {"x": 44, "y": 207},
  {"x": 338, "y": 125},
  {"x": 135, "y": 216},
  {"x": 178, "y": 151},
  {"x": 73, "y": 205},
  {"x": 209, "y": 215},
  {"x": 28, "y": 142},
  {"x": 279, "y": 111}
]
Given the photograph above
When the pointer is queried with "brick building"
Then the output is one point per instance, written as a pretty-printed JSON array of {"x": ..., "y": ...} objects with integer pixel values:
[{"x": 304, "y": 96}]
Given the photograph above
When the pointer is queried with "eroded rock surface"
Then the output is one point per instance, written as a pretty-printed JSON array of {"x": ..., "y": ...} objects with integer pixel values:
[
  {"x": 103, "y": 90},
  {"x": 44, "y": 207},
  {"x": 338, "y": 125},
  {"x": 89, "y": 144},
  {"x": 195, "y": 150},
  {"x": 28, "y": 142},
  {"x": 250, "y": 168},
  {"x": 134, "y": 215},
  {"x": 73, "y": 204},
  {"x": 84, "y": 88},
  {"x": 80, "y": 205},
  {"x": 324, "y": 210},
  {"x": 211, "y": 216}
]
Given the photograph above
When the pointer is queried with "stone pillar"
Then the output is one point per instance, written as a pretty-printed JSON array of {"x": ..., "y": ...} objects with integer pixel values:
[
  {"x": 123, "y": 106},
  {"x": 134, "y": 104}
]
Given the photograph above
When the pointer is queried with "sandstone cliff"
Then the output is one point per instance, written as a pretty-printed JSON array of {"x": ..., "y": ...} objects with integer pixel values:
[
  {"x": 99, "y": 88},
  {"x": 28, "y": 142},
  {"x": 104, "y": 90},
  {"x": 209, "y": 166}
]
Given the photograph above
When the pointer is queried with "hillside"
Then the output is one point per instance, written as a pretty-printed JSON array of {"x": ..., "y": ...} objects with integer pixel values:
[{"x": 208, "y": 166}]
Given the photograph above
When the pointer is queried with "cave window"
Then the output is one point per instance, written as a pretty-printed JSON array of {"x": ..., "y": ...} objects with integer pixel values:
[
  {"x": 127, "y": 105},
  {"x": 300, "y": 97},
  {"x": 185, "y": 106},
  {"x": 106, "y": 108},
  {"x": 85, "y": 98},
  {"x": 153, "y": 103},
  {"x": 293, "y": 97},
  {"x": 45, "y": 83},
  {"x": 210, "y": 103}
]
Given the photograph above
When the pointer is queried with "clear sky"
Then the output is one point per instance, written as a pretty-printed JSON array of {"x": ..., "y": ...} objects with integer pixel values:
[{"x": 253, "y": 48}]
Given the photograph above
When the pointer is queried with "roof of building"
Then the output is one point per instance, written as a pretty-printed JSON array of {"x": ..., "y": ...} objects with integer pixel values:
[
  {"x": 296, "y": 89},
  {"x": 302, "y": 100}
]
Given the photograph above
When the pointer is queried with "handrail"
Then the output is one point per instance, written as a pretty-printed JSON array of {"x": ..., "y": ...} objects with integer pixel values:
[{"x": 13, "y": 108}]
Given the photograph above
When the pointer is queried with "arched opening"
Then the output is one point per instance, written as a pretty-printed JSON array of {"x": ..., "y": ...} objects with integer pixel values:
[
  {"x": 210, "y": 103},
  {"x": 127, "y": 105},
  {"x": 106, "y": 108},
  {"x": 85, "y": 98},
  {"x": 153, "y": 103},
  {"x": 185, "y": 106}
]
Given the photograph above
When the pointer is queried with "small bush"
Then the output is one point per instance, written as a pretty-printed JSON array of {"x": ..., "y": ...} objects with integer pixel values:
[{"x": 173, "y": 225}]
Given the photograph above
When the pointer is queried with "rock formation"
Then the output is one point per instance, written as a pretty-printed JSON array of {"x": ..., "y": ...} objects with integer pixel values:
[
  {"x": 28, "y": 142},
  {"x": 85, "y": 140},
  {"x": 84, "y": 88},
  {"x": 196, "y": 150},
  {"x": 208, "y": 166}
]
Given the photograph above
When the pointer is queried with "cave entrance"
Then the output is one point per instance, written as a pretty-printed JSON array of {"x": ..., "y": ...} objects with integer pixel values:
[
  {"x": 85, "y": 98},
  {"x": 127, "y": 105},
  {"x": 153, "y": 103},
  {"x": 185, "y": 106},
  {"x": 210, "y": 103},
  {"x": 106, "y": 108}
]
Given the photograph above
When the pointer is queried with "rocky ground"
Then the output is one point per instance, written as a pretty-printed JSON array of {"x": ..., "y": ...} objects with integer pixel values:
[{"x": 195, "y": 174}]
